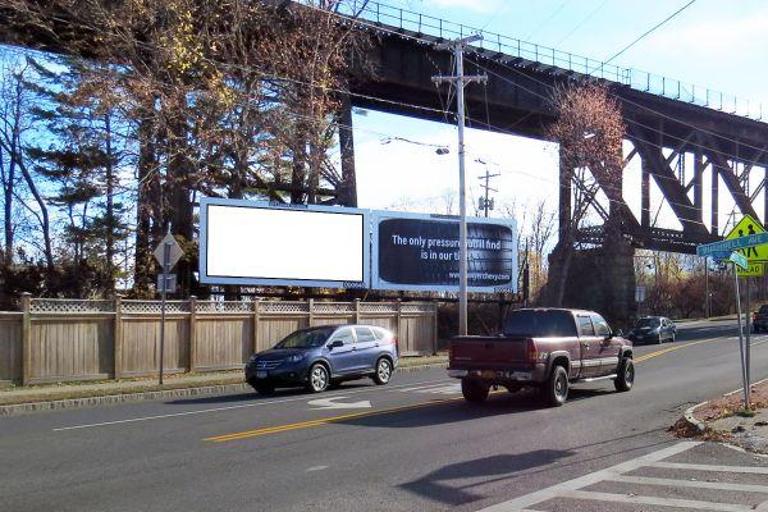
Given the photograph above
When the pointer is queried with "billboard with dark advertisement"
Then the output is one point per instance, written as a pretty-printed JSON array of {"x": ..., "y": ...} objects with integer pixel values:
[{"x": 421, "y": 252}]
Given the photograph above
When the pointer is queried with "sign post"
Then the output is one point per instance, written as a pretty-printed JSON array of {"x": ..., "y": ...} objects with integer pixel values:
[
  {"x": 741, "y": 340},
  {"x": 727, "y": 251},
  {"x": 167, "y": 254}
]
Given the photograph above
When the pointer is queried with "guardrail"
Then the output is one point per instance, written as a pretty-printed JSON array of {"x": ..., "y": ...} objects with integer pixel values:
[{"x": 423, "y": 24}]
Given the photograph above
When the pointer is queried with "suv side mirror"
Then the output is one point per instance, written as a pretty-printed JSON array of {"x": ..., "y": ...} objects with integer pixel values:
[
  {"x": 619, "y": 333},
  {"x": 335, "y": 344}
]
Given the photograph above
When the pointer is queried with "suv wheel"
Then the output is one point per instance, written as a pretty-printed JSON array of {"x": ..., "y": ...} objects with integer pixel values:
[
  {"x": 319, "y": 378},
  {"x": 474, "y": 391},
  {"x": 626, "y": 375},
  {"x": 554, "y": 392},
  {"x": 383, "y": 371}
]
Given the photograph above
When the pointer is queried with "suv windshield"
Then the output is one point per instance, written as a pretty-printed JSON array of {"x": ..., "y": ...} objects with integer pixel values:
[
  {"x": 647, "y": 322},
  {"x": 309, "y": 338},
  {"x": 764, "y": 310},
  {"x": 539, "y": 324}
]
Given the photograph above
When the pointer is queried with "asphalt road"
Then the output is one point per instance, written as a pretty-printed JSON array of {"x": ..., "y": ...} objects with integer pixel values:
[{"x": 411, "y": 445}]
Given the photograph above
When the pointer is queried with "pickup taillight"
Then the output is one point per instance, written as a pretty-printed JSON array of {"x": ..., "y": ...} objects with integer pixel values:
[{"x": 531, "y": 353}]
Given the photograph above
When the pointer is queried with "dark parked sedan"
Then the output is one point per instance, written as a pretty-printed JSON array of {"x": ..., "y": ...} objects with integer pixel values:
[
  {"x": 653, "y": 329},
  {"x": 319, "y": 356}
]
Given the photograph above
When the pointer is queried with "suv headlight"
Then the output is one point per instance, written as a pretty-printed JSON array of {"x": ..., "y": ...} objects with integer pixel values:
[{"x": 295, "y": 358}]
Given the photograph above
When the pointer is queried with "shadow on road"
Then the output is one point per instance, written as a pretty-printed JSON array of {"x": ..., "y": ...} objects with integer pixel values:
[
  {"x": 436, "y": 485},
  {"x": 457, "y": 410}
]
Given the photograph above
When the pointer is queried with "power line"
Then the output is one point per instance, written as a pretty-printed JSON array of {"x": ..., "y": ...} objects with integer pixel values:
[
  {"x": 549, "y": 18},
  {"x": 648, "y": 32},
  {"x": 581, "y": 23}
]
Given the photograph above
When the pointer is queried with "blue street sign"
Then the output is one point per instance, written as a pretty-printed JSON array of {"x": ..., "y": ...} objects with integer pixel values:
[
  {"x": 720, "y": 255},
  {"x": 739, "y": 260},
  {"x": 731, "y": 245}
]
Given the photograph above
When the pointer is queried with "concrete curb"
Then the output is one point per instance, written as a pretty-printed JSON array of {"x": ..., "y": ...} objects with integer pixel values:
[
  {"x": 165, "y": 394},
  {"x": 700, "y": 426}
]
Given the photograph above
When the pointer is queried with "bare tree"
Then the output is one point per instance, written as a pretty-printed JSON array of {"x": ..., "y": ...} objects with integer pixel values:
[
  {"x": 15, "y": 125},
  {"x": 542, "y": 229},
  {"x": 590, "y": 130},
  {"x": 229, "y": 98}
]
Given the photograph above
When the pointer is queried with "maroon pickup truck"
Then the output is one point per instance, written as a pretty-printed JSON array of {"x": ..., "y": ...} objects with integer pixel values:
[{"x": 545, "y": 348}]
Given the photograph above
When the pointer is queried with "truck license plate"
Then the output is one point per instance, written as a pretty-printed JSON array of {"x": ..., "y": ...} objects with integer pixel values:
[{"x": 261, "y": 375}]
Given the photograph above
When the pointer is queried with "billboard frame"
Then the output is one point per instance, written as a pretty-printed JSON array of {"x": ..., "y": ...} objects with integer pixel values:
[
  {"x": 378, "y": 284},
  {"x": 206, "y": 278}
]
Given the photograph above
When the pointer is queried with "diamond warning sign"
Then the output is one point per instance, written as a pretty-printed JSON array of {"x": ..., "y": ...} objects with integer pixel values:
[{"x": 757, "y": 255}]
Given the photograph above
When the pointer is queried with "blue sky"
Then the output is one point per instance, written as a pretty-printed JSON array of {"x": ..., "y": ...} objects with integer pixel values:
[{"x": 717, "y": 44}]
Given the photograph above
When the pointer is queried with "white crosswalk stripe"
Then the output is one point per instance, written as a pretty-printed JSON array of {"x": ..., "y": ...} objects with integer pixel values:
[{"x": 577, "y": 489}]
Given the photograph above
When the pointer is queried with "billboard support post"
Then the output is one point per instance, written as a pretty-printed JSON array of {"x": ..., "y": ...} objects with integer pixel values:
[{"x": 460, "y": 80}]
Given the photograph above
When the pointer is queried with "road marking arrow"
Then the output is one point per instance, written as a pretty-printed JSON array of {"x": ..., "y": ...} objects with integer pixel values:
[{"x": 330, "y": 403}]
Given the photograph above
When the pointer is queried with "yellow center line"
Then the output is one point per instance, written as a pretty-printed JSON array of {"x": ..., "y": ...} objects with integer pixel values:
[
  {"x": 247, "y": 434},
  {"x": 651, "y": 355},
  {"x": 322, "y": 421}
]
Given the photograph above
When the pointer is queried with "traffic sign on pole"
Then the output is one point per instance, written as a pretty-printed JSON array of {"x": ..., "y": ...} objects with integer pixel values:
[
  {"x": 738, "y": 260},
  {"x": 732, "y": 245},
  {"x": 168, "y": 253},
  {"x": 756, "y": 255},
  {"x": 175, "y": 252}
]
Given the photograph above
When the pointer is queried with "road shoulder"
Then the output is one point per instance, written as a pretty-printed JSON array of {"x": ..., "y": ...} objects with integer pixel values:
[
  {"x": 724, "y": 419},
  {"x": 20, "y": 400}
]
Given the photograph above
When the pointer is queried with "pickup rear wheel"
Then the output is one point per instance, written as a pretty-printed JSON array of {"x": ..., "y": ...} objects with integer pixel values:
[
  {"x": 474, "y": 391},
  {"x": 625, "y": 377},
  {"x": 554, "y": 392}
]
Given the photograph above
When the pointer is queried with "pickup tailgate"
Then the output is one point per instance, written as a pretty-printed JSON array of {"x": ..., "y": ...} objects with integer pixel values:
[{"x": 488, "y": 352}]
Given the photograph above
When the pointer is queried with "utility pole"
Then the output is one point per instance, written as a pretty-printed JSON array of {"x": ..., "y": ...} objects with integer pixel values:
[
  {"x": 460, "y": 80},
  {"x": 485, "y": 203}
]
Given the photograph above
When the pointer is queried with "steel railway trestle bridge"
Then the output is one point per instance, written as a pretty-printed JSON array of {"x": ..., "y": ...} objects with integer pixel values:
[{"x": 668, "y": 122}]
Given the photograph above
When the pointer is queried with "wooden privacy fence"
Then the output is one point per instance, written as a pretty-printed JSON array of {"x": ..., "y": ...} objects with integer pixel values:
[{"x": 56, "y": 340}]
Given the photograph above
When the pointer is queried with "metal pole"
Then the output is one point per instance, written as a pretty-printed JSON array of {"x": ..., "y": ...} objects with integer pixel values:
[
  {"x": 485, "y": 204},
  {"x": 459, "y": 52},
  {"x": 707, "y": 305},
  {"x": 741, "y": 338},
  {"x": 747, "y": 349},
  {"x": 163, "y": 289}
]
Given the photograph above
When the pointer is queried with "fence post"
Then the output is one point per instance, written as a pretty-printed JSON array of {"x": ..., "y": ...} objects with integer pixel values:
[
  {"x": 357, "y": 311},
  {"x": 192, "y": 333},
  {"x": 311, "y": 306},
  {"x": 26, "y": 328},
  {"x": 256, "y": 311},
  {"x": 398, "y": 325},
  {"x": 118, "y": 338},
  {"x": 434, "y": 328}
]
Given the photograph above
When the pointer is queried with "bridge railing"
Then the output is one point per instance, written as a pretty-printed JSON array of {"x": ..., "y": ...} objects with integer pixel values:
[{"x": 385, "y": 15}]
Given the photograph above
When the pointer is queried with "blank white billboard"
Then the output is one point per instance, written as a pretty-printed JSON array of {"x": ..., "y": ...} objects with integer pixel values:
[{"x": 245, "y": 243}]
